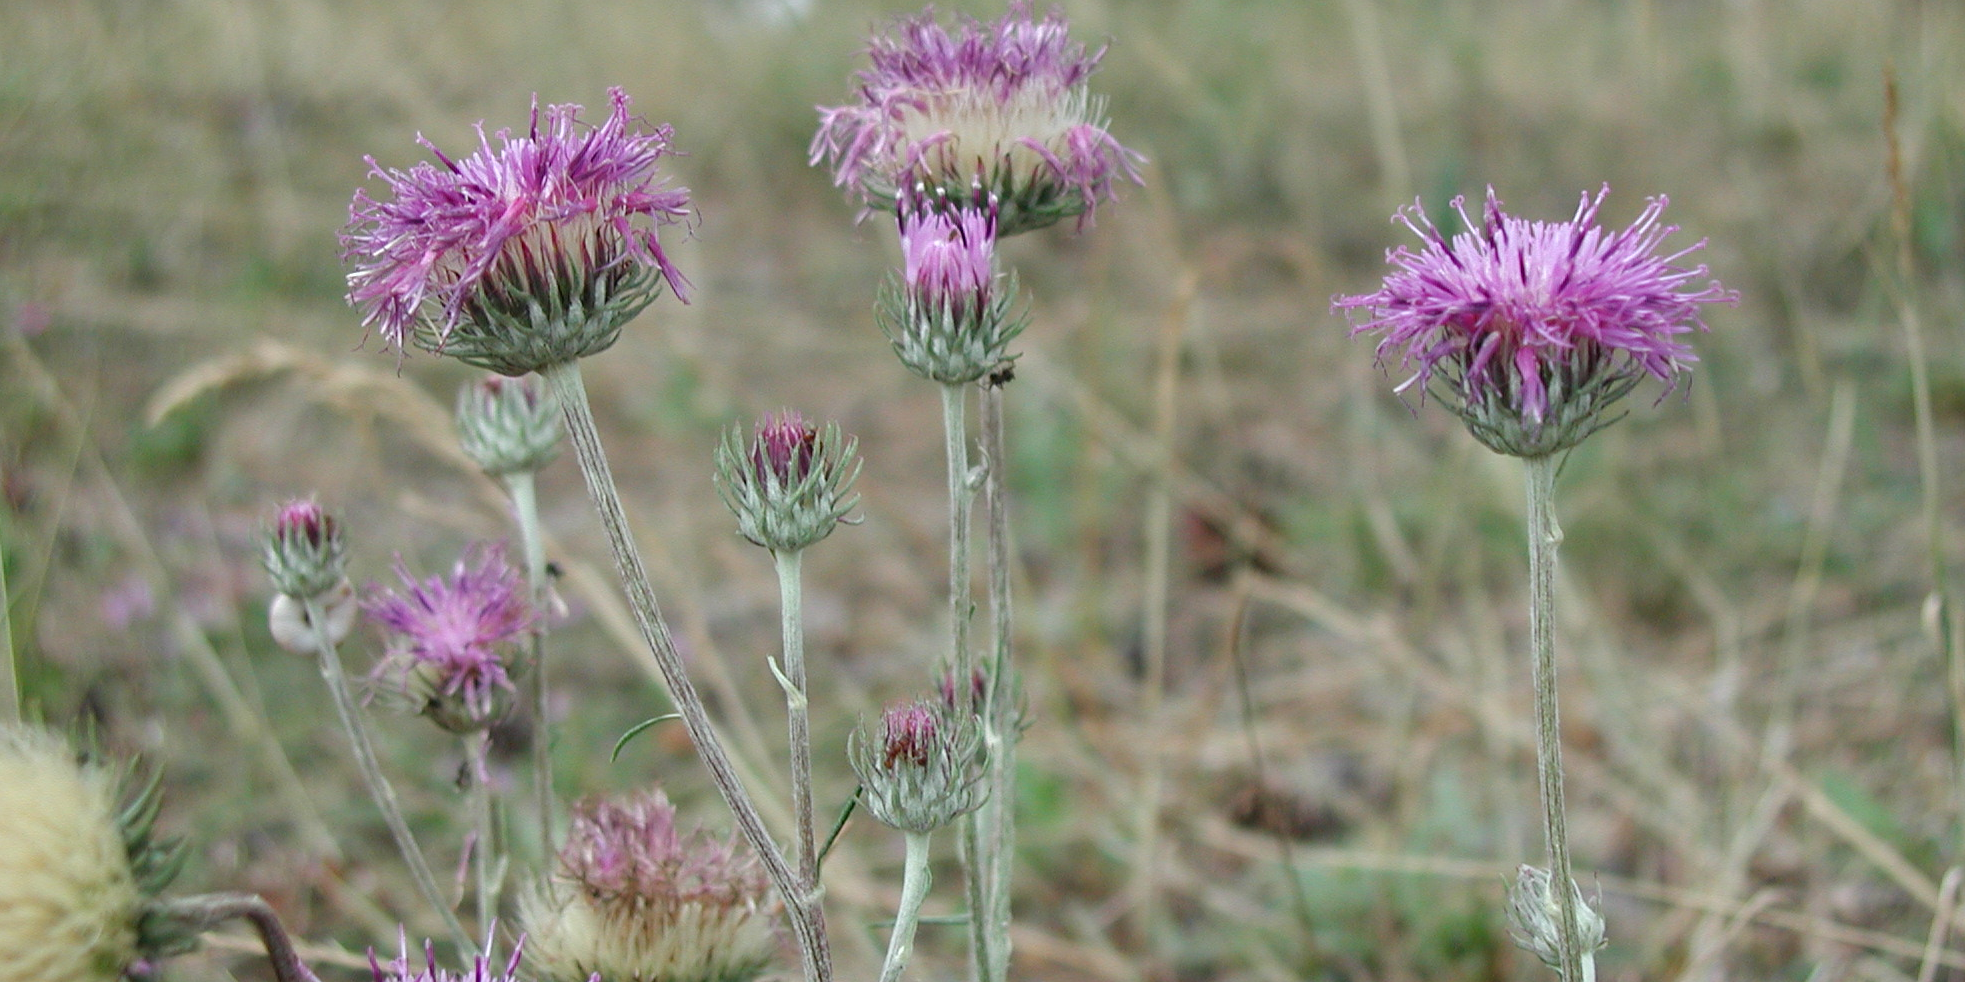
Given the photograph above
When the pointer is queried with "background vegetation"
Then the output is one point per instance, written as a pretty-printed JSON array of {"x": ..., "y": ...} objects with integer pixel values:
[{"x": 1764, "y": 782}]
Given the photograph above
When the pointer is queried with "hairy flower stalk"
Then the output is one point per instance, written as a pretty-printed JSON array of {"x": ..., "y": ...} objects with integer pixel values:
[
  {"x": 302, "y": 551},
  {"x": 807, "y": 915},
  {"x": 634, "y": 899},
  {"x": 513, "y": 428},
  {"x": 1536, "y": 329},
  {"x": 999, "y": 110},
  {"x": 522, "y": 255},
  {"x": 788, "y": 490}
]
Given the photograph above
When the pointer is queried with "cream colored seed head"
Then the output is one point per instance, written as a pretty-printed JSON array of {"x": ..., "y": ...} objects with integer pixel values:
[
  {"x": 68, "y": 900},
  {"x": 980, "y": 127},
  {"x": 570, "y": 935}
]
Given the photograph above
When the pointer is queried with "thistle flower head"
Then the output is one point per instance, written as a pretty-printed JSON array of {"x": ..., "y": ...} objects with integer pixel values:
[
  {"x": 636, "y": 900},
  {"x": 400, "y": 969},
  {"x": 70, "y": 900},
  {"x": 1535, "y": 917},
  {"x": 303, "y": 552},
  {"x": 948, "y": 314},
  {"x": 509, "y": 425},
  {"x": 1002, "y": 108},
  {"x": 451, "y": 640},
  {"x": 523, "y": 255},
  {"x": 792, "y": 484},
  {"x": 921, "y": 767},
  {"x": 1537, "y": 327}
]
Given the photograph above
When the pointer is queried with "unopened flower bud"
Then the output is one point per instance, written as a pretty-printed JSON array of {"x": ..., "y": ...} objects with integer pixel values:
[
  {"x": 633, "y": 898},
  {"x": 509, "y": 425},
  {"x": 791, "y": 485},
  {"x": 286, "y": 617},
  {"x": 1535, "y": 917},
  {"x": 921, "y": 768},
  {"x": 949, "y": 315},
  {"x": 303, "y": 555}
]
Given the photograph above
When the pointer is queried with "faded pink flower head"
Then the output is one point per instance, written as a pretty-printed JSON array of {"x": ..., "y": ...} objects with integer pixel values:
[
  {"x": 452, "y": 639},
  {"x": 522, "y": 255},
  {"x": 1001, "y": 107},
  {"x": 1537, "y": 327},
  {"x": 908, "y": 732},
  {"x": 629, "y": 848}
]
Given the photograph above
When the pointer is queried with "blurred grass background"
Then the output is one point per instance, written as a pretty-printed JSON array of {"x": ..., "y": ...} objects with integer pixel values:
[{"x": 1763, "y": 776}]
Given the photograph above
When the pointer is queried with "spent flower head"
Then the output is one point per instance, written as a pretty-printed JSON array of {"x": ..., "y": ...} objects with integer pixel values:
[
  {"x": 1537, "y": 328},
  {"x": 1535, "y": 917},
  {"x": 509, "y": 425},
  {"x": 452, "y": 640},
  {"x": 635, "y": 899},
  {"x": 920, "y": 768},
  {"x": 1001, "y": 108},
  {"x": 792, "y": 484},
  {"x": 948, "y": 314},
  {"x": 523, "y": 255},
  {"x": 303, "y": 552}
]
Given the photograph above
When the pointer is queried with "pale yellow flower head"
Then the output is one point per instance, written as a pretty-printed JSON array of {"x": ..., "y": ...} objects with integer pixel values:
[{"x": 68, "y": 898}]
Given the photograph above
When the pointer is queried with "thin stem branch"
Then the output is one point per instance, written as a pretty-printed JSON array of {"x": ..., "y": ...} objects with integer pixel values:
[
  {"x": 914, "y": 888},
  {"x": 378, "y": 784},
  {"x": 482, "y": 869},
  {"x": 203, "y": 912},
  {"x": 1544, "y": 536},
  {"x": 997, "y": 815},
  {"x": 523, "y": 488},
  {"x": 806, "y": 913},
  {"x": 791, "y": 596}
]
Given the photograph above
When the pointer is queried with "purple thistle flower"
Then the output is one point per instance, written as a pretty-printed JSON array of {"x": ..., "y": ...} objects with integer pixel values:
[
  {"x": 451, "y": 636},
  {"x": 948, "y": 258},
  {"x": 522, "y": 255},
  {"x": 948, "y": 317},
  {"x": 1537, "y": 326},
  {"x": 1002, "y": 107},
  {"x": 399, "y": 969}
]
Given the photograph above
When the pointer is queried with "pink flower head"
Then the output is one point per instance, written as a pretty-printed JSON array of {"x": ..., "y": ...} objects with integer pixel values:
[
  {"x": 1000, "y": 106},
  {"x": 520, "y": 255},
  {"x": 948, "y": 257},
  {"x": 783, "y": 448},
  {"x": 629, "y": 850},
  {"x": 399, "y": 968},
  {"x": 451, "y": 637},
  {"x": 908, "y": 732},
  {"x": 1537, "y": 326},
  {"x": 304, "y": 521}
]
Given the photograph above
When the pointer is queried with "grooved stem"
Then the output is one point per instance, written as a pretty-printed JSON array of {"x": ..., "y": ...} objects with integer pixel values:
[
  {"x": 1544, "y": 536},
  {"x": 962, "y": 668},
  {"x": 379, "y": 787},
  {"x": 523, "y": 488},
  {"x": 807, "y": 916},
  {"x": 791, "y": 596},
  {"x": 998, "y": 811},
  {"x": 914, "y": 889}
]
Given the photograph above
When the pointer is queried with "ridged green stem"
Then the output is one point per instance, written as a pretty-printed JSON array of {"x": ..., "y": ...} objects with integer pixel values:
[
  {"x": 523, "y": 488},
  {"x": 791, "y": 596},
  {"x": 962, "y": 668},
  {"x": 997, "y": 815},
  {"x": 378, "y": 784},
  {"x": 1544, "y": 536},
  {"x": 914, "y": 889},
  {"x": 807, "y": 916}
]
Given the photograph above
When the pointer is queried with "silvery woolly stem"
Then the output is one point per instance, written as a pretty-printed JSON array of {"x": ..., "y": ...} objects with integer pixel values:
[
  {"x": 791, "y": 597},
  {"x": 378, "y": 784},
  {"x": 1544, "y": 536},
  {"x": 482, "y": 867},
  {"x": 203, "y": 912},
  {"x": 914, "y": 889},
  {"x": 962, "y": 668},
  {"x": 523, "y": 488},
  {"x": 807, "y": 916},
  {"x": 998, "y": 812}
]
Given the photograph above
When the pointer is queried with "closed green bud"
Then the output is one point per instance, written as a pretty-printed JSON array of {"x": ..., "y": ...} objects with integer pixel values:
[
  {"x": 509, "y": 425},
  {"x": 921, "y": 768},
  {"x": 791, "y": 485}
]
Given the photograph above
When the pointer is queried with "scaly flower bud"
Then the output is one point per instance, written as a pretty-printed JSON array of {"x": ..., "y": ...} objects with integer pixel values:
[
  {"x": 303, "y": 552},
  {"x": 999, "y": 108},
  {"x": 949, "y": 315},
  {"x": 1535, "y": 917},
  {"x": 523, "y": 256},
  {"x": 1537, "y": 328},
  {"x": 922, "y": 769},
  {"x": 791, "y": 485},
  {"x": 509, "y": 425},
  {"x": 453, "y": 640},
  {"x": 635, "y": 900}
]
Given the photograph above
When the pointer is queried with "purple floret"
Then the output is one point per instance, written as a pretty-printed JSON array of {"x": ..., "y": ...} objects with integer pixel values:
[
  {"x": 566, "y": 196},
  {"x": 1504, "y": 308},
  {"x": 455, "y": 631}
]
